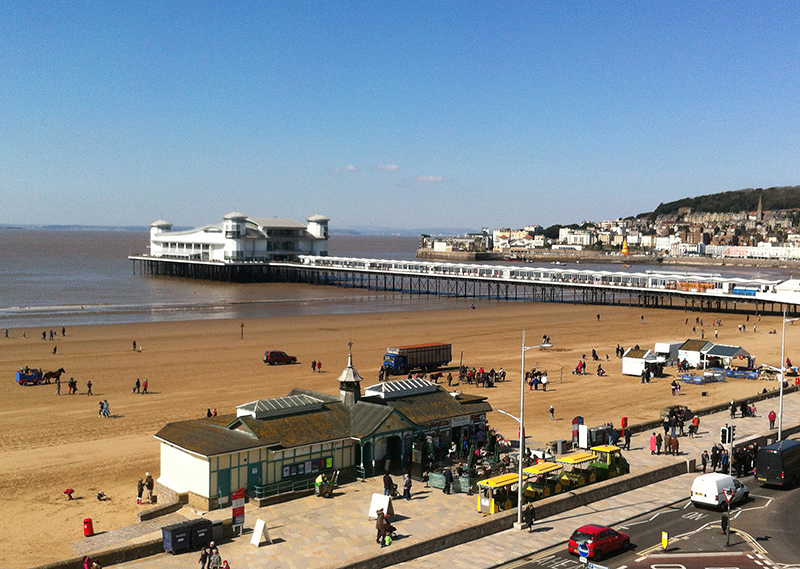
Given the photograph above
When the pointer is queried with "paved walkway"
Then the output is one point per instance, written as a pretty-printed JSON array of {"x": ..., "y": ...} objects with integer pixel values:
[{"x": 314, "y": 532}]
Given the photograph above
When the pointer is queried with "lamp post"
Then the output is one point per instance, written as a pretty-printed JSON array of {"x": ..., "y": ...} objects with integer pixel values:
[
  {"x": 783, "y": 372},
  {"x": 521, "y": 421}
]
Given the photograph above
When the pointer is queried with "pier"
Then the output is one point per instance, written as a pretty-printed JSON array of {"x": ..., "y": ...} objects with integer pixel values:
[{"x": 684, "y": 291}]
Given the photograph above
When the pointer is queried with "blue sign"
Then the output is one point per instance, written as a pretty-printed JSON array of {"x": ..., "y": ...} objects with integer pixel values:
[{"x": 583, "y": 550}]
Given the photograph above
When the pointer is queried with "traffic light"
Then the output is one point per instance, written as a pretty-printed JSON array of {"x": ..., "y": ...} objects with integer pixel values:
[
  {"x": 723, "y": 435},
  {"x": 732, "y": 433}
]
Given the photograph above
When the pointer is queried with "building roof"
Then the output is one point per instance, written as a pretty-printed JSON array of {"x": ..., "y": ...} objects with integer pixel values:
[
  {"x": 634, "y": 353},
  {"x": 400, "y": 388},
  {"x": 722, "y": 351},
  {"x": 276, "y": 406},
  {"x": 317, "y": 217},
  {"x": 161, "y": 223},
  {"x": 234, "y": 215},
  {"x": 325, "y": 420},
  {"x": 276, "y": 223},
  {"x": 694, "y": 345}
]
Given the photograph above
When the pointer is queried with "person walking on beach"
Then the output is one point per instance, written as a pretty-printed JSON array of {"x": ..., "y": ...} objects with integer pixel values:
[
  {"x": 139, "y": 490},
  {"x": 134, "y": 345},
  {"x": 138, "y": 385},
  {"x": 58, "y": 386},
  {"x": 55, "y": 349},
  {"x": 552, "y": 413},
  {"x": 544, "y": 381},
  {"x": 149, "y": 484},
  {"x": 89, "y": 387},
  {"x": 144, "y": 386},
  {"x": 319, "y": 367},
  {"x": 313, "y": 366}
]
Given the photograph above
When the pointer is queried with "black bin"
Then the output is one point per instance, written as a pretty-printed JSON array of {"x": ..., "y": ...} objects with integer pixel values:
[
  {"x": 201, "y": 533},
  {"x": 598, "y": 436},
  {"x": 177, "y": 536}
]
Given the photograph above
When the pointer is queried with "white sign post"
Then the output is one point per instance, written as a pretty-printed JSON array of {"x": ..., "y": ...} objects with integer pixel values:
[{"x": 380, "y": 502}]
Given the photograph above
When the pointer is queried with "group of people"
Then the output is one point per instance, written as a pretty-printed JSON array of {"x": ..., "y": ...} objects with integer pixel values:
[
  {"x": 140, "y": 386},
  {"x": 211, "y": 559},
  {"x": 316, "y": 366},
  {"x": 385, "y": 531},
  {"x": 480, "y": 377},
  {"x": 745, "y": 409},
  {"x": 211, "y": 412},
  {"x": 146, "y": 483},
  {"x": 72, "y": 386},
  {"x": 535, "y": 378},
  {"x": 52, "y": 334},
  {"x": 105, "y": 411}
]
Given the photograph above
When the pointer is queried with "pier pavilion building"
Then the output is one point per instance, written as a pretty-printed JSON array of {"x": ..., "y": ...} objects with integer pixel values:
[
  {"x": 240, "y": 238},
  {"x": 277, "y": 447}
]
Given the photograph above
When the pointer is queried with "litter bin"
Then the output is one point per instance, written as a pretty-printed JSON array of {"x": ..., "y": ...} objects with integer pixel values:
[
  {"x": 561, "y": 446},
  {"x": 217, "y": 531},
  {"x": 176, "y": 536},
  {"x": 597, "y": 436},
  {"x": 201, "y": 533},
  {"x": 88, "y": 527}
]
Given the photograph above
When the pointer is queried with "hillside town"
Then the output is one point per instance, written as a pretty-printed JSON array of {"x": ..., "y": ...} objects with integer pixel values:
[{"x": 759, "y": 234}]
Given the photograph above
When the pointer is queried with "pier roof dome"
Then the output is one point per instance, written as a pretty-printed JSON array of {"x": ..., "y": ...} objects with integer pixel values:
[
  {"x": 317, "y": 217},
  {"x": 161, "y": 223},
  {"x": 234, "y": 215}
]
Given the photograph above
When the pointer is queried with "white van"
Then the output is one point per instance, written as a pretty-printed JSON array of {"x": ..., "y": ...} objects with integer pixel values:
[{"x": 707, "y": 489}]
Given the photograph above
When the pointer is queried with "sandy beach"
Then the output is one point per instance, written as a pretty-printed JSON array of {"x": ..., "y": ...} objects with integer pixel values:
[{"x": 55, "y": 442}]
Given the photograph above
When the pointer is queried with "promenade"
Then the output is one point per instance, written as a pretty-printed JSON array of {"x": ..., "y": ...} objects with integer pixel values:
[{"x": 320, "y": 533}]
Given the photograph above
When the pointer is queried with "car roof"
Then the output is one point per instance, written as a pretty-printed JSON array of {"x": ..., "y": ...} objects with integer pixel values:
[{"x": 592, "y": 528}]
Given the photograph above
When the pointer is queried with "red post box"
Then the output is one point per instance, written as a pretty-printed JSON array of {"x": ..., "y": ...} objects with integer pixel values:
[
  {"x": 624, "y": 422},
  {"x": 88, "y": 527}
]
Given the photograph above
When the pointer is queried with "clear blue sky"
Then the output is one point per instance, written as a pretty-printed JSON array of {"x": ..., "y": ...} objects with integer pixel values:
[{"x": 403, "y": 114}]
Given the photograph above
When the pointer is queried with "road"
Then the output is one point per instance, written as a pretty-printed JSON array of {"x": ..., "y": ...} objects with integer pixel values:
[{"x": 763, "y": 534}]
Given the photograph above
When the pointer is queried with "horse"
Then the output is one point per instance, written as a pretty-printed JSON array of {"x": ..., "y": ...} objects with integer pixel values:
[{"x": 51, "y": 375}]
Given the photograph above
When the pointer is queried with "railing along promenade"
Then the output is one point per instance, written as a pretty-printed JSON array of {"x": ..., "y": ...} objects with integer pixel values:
[{"x": 690, "y": 291}]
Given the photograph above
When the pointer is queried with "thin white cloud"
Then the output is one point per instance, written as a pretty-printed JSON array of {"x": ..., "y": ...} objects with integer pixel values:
[
  {"x": 429, "y": 179},
  {"x": 387, "y": 167},
  {"x": 349, "y": 168}
]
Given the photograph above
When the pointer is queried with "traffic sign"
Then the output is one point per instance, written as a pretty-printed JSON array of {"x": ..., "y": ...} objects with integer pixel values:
[
  {"x": 728, "y": 495},
  {"x": 583, "y": 550},
  {"x": 596, "y": 566}
]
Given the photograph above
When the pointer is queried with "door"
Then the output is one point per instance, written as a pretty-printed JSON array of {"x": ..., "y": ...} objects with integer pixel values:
[
  {"x": 224, "y": 486},
  {"x": 253, "y": 476}
]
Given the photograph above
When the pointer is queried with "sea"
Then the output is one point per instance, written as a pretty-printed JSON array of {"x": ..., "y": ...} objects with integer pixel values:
[{"x": 54, "y": 278}]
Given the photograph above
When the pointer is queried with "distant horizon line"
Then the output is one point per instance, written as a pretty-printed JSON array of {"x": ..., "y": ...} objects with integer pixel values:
[{"x": 358, "y": 230}]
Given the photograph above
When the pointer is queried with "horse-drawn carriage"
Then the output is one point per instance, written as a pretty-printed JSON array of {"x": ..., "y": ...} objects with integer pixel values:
[{"x": 34, "y": 376}]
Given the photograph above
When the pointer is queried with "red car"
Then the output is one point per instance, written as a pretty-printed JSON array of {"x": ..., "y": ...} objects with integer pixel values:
[
  {"x": 600, "y": 541},
  {"x": 273, "y": 357}
]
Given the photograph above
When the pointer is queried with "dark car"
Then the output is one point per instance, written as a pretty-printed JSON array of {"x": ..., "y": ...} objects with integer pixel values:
[
  {"x": 600, "y": 541},
  {"x": 273, "y": 357}
]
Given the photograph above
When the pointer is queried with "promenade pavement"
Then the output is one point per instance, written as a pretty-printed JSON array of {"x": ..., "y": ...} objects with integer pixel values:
[{"x": 315, "y": 532}]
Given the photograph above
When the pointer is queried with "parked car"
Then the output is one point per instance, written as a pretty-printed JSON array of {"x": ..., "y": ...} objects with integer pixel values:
[
  {"x": 600, "y": 540},
  {"x": 707, "y": 490},
  {"x": 273, "y": 357}
]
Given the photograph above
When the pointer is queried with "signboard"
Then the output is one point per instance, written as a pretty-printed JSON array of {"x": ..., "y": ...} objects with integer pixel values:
[
  {"x": 596, "y": 566},
  {"x": 379, "y": 501},
  {"x": 459, "y": 421},
  {"x": 260, "y": 533},
  {"x": 583, "y": 550},
  {"x": 237, "y": 507},
  {"x": 728, "y": 495}
]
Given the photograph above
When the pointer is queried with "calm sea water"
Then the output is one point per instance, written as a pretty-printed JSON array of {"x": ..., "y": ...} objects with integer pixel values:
[{"x": 51, "y": 278}]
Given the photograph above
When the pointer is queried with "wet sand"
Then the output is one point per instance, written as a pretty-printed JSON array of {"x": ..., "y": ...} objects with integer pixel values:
[{"x": 55, "y": 442}]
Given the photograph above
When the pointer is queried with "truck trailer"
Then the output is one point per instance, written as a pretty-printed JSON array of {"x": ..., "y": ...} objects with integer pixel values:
[{"x": 424, "y": 357}]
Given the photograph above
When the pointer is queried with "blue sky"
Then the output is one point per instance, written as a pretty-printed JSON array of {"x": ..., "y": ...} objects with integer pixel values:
[{"x": 400, "y": 114}]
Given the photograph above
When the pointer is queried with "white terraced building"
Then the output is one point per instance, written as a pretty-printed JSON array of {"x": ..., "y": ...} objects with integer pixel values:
[{"x": 240, "y": 238}]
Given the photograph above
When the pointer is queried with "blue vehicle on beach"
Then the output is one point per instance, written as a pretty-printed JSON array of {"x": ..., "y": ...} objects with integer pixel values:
[{"x": 29, "y": 376}]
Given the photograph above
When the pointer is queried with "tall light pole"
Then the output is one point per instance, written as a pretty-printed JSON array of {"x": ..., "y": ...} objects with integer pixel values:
[
  {"x": 783, "y": 372},
  {"x": 521, "y": 422}
]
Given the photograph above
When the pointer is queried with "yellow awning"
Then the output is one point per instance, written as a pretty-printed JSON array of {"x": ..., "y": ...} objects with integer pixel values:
[
  {"x": 542, "y": 468},
  {"x": 577, "y": 458},
  {"x": 502, "y": 480},
  {"x": 606, "y": 448}
]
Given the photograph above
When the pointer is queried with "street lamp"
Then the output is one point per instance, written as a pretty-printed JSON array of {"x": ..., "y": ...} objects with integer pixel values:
[
  {"x": 521, "y": 421},
  {"x": 783, "y": 371}
]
